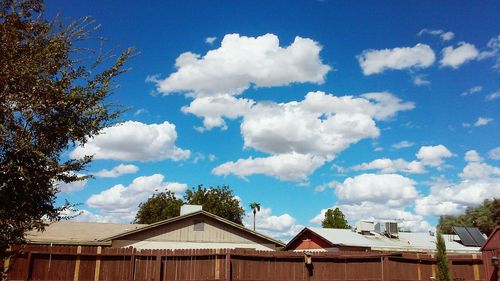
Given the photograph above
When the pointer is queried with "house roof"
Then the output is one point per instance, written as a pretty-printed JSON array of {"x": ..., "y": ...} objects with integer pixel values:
[
  {"x": 203, "y": 213},
  {"x": 81, "y": 233},
  {"x": 407, "y": 241},
  {"x": 493, "y": 236}
]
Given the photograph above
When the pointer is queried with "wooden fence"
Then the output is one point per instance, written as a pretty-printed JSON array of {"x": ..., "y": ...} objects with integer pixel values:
[{"x": 96, "y": 263}]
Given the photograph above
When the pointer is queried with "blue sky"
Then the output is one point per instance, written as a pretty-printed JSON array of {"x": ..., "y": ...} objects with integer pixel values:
[{"x": 389, "y": 110}]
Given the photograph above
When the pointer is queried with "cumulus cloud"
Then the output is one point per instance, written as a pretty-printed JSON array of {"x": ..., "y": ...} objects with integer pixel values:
[
  {"x": 134, "y": 141},
  {"x": 386, "y": 165},
  {"x": 403, "y": 144},
  {"x": 472, "y": 156},
  {"x": 433, "y": 155},
  {"x": 493, "y": 96},
  {"x": 242, "y": 61},
  {"x": 455, "y": 57},
  {"x": 291, "y": 167},
  {"x": 492, "y": 51},
  {"x": 88, "y": 216},
  {"x": 210, "y": 40},
  {"x": 71, "y": 187},
  {"x": 419, "y": 80},
  {"x": 310, "y": 132},
  {"x": 445, "y": 35},
  {"x": 482, "y": 121},
  {"x": 122, "y": 201},
  {"x": 494, "y": 153},
  {"x": 377, "y": 61},
  {"x": 117, "y": 171},
  {"x": 476, "y": 170},
  {"x": 282, "y": 227},
  {"x": 472, "y": 91}
]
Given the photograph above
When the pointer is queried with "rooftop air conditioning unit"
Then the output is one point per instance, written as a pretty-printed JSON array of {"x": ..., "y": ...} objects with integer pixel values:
[
  {"x": 365, "y": 227},
  {"x": 389, "y": 229}
]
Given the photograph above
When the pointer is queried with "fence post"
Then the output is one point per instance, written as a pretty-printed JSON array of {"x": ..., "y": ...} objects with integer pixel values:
[
  {"x": 217, "y": 265},
  {"x": 97, "y": 264},
  {"x": 419, "y": 270},
  {"x": 131, "y": 272},
  {"x": 158, "y": 266},
  {"x": 28, "y": 268},
  {"x": 475, "y": 267},
  {"x": 77, "y": 263},
  {"x": 433, "y": 267},
  {"x": 228, "y": 267}
]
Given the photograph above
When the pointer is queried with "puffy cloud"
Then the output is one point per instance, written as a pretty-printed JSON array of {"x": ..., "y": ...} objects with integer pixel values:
[
  {"x": 433, "y": 155},
  {"x": 377, "y": 61},
  {"x": 482, "y": 121},
  {"x": 455, "y": 57},
  {"x": 71, "y": 187},
  {"x": 472, "y": 91},
  {"x": 309, "y": 132},
  {"x": 476, "y": 170},
  {"x": 386, "y": 165},
  {"x": 472, "y": 156},
  {"x": 134, "y": 141},
  {"x": 123, "y": 201},
  {"x": 277, "y": 226},
  {"x": 493, "y": 96},
  {"x": 391, "y": 189},
  {"x": 291, "y": 167},
  {"x": 494, "y": 153},
  {"x": 403, "y": 144},
  {"x": 445, "y": 35},
  {"x": 88, "y": 216},
  {"x": 452, "y": 199},
  {"x": 117, "y": 171},
  {"x": 242, "y": 61}
]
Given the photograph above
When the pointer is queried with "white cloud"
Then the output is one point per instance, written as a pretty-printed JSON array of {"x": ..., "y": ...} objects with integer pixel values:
[
  {"x": 455, "y": 57},
  {"x": 476, "y": 170},
  {"x": 282, "y": 227},
  {"x": 377, "y": 61},
  {"x": 134, "y": 141},
  {"x": 482, "y": 121},
  {"x": 453, "y": 199},
  {"x": 243, "y": 61},
  {"x": 210, "y": 40},
  {"x": 419, "y": 80},
  {"x": 88, "y": 216},
  {"x": 386, "y": 165},
  {"x": 493, "y": 96},
  {"x": 472, "y": 91},
  {"x": 445, "y": 35},
  {"x": 493, "y": 51},
  {"x": 117, "y": 171},
  {"x": 433, "y": 155},
  {"x": 290, "y": 167},
  {"x": 494, "y": 153},
  {"x": 308, "y": 132},
  {"x": 122, "y": 201},
  {"x": 391, "y": 189},
  {"x": 403, "y": 144},
  {"x": 472, "y": 156},
  {"x": 71, "y": 187}
]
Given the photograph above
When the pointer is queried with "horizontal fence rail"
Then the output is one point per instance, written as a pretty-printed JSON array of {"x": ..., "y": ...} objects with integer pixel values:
[{"x": 89, "y": 263}]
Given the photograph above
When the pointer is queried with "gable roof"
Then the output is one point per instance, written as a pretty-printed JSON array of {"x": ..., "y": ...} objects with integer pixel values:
[
  {"x": 407, "y": 241},
  {"x": 186, "y": 216},
  {"x": 81, "y": 233},
  {"x": 493, "y": 236}
]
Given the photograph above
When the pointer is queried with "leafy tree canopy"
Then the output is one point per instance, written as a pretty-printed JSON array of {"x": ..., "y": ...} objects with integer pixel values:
[
  {"x": 218, "y": 200},
  {"x": 335, "y": 219},
  {"x": 52, "y": 96},
  {"x": 485, "y": 217}
]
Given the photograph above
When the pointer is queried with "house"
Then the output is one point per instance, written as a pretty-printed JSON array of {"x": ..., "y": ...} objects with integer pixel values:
[
  {"x": 333, "y": 240},
  {"x": 191, "y": 230},
  {"x": 491, "y": 254}
]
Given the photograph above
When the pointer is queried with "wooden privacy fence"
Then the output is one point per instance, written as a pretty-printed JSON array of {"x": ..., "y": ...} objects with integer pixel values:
[{"x": 95, "y": 263}]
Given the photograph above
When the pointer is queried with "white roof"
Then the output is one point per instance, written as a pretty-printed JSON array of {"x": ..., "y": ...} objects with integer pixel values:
[{"x": 407, "y": 241}]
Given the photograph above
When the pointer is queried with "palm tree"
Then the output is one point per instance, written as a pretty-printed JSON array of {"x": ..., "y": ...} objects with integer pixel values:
[{"x": 255, "y": 208}]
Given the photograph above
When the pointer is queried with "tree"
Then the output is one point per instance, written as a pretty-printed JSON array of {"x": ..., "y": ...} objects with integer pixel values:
[
  {"x": 442, "y": 259},
  {"x": 160, "y": 206},
  {"x": 219, "y": 201},
  {"x": 335, "y": 219},
  {"x": 52, "y": 96},
  {"x": 485, "y": 217},
  {"x": 255, "y": 208}
]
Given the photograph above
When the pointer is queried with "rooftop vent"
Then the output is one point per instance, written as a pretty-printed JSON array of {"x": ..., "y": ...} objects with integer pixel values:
[
  {"x": 188, "y": 209},
  {"x": 389, "y": 229}
]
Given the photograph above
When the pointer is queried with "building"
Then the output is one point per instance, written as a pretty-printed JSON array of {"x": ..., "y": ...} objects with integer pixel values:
[
  {"x": 192, "y": 230},
  {"x": 491, "y": 254},
  {"x": 332, "y": 240}
]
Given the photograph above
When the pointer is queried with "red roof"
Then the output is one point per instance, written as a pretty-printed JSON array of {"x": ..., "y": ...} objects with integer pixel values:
[{"x": 493, "y": 241}]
